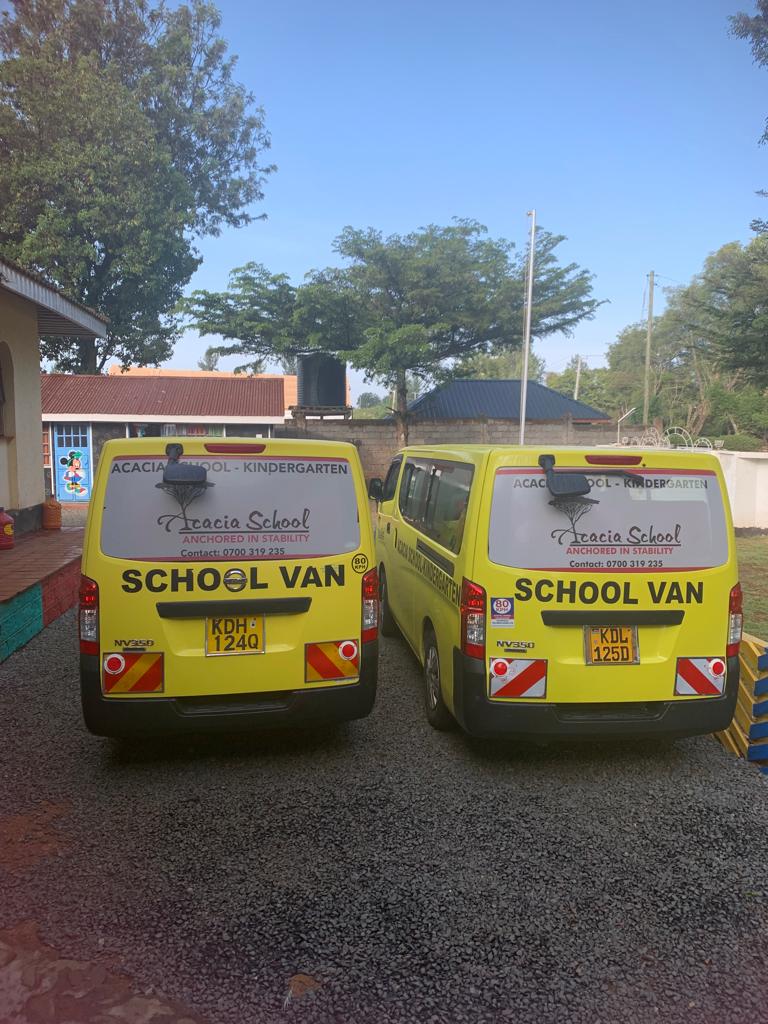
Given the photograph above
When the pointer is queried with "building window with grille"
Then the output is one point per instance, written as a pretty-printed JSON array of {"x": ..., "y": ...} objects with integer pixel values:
[{"x": 72, "y": 435}]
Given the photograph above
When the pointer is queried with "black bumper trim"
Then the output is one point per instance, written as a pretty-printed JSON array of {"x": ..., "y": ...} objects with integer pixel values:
[
  {"x": 480, "y": 716},
  {"x": 159, "y": 716},
  {"x": 243, "y": 606},
  {"x": 662, "y": 617}
]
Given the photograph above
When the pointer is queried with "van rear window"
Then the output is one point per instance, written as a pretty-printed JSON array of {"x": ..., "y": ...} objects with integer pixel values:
[
  {"x": 258, "y": 507},
  {"x": 639, "y": 520}
]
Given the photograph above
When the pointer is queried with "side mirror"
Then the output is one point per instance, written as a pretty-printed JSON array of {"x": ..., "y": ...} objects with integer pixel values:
[
  {"x": 375, "y": 488},
  {"x": 563, "y": 485}
]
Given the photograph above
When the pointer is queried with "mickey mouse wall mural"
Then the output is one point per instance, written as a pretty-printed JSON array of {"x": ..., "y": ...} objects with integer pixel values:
[{"x": 74, "y": 475}]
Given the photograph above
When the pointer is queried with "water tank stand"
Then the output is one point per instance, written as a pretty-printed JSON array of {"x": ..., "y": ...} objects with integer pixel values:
[{"x": 303, "y": 412}]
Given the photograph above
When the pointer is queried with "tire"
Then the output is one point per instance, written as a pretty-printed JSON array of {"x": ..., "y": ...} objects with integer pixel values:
[
  {"x": 388, "y": 626},
  {"x": 438, "y": 715}
]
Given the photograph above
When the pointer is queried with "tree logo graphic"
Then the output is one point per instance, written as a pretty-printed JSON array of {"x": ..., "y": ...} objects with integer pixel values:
[{"x": 575, "y": 509}]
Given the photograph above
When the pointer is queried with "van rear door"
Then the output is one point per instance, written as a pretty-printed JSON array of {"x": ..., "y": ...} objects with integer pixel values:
[
  {"x": 618, "y": 595},
  {"x": 251, "y": 583}
]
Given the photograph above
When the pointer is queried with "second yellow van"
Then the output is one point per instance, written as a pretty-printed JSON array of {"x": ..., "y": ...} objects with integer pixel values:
[{"x": 563, "y": 591}]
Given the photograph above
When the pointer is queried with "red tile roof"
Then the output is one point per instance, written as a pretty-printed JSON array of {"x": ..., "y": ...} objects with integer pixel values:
[{"x": 131, "y": 397}]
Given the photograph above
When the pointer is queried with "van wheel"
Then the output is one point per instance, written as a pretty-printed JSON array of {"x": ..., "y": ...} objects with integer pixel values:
[
  {"x": 388, "y": 627},
  {"x": 438, "y": 715}
]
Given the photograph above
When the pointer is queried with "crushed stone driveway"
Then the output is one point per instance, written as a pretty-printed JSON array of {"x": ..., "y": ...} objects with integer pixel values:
[{"x": 378, "y": 873}]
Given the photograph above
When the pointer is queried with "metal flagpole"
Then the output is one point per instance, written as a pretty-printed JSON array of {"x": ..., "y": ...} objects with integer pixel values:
[
  {"x": 527, "y": 332},
  {"x": 648, "y": 337}
]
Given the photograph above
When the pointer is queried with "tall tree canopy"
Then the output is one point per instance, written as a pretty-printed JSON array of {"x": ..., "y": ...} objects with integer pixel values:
[
  {"x": 445, "y": 293},
  {"x": 724, "y": 311},
  {"x": 256, "y": 313},
  {"x": 123, "y": 137},
  {"x": 709, "y": 354},
  {"x": 505, "y": 364},
  {"x": 754, "y": 29},
  {"x": 402, "y": 304}
]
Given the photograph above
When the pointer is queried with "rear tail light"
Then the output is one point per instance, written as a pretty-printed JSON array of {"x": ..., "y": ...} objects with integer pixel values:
[
  {"x": 89, "y": 616},
  {"x": 370, "y": 629},
  {"x": 472, "y": 619},
  {"x": 735, "y": 621}
]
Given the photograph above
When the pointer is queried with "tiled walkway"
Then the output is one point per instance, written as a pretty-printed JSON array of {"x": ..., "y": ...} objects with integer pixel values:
[{"x": 35, "y": 557}]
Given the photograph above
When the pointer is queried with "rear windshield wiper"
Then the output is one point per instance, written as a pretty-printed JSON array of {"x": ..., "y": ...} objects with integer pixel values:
[
  {"x": 184, "y": 481},
  {"x": 565, "y": 487}
]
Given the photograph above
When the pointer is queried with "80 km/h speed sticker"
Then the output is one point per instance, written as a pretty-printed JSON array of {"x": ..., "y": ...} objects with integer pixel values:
[{"x": 502, "y": 611}]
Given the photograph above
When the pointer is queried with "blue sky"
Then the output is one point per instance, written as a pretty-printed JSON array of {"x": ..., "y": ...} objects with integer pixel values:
[{"x": 631, "y": 128}]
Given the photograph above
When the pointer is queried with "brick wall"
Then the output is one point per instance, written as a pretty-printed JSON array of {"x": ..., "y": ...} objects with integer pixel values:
[
  {"x": 376, "y": 440},
  {"x": 60, "y": 592},
  {"x": 24, "y": 615},
  {"x": 21, "y": 618}
]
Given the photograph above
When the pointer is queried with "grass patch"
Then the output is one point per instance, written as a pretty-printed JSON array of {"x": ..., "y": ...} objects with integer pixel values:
[{"x": 753, "y": 572}]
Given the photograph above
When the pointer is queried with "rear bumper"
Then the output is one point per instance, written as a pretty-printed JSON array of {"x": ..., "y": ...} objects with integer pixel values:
[
  {"x": 155, "y": 716},
  {"x": 482, "y": 717}
]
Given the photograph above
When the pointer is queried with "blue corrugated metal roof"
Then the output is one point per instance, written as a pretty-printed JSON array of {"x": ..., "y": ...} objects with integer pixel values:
[{"x": 498, "y": 400}]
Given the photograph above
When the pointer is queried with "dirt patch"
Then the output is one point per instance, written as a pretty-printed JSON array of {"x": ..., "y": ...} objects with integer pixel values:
[
  {"x": 40, "y": 986},
  {"x": 26, "y": 839}
]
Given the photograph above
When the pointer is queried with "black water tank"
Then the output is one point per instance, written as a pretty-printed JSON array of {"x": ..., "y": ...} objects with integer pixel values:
[{"x": 322, "y": 380}]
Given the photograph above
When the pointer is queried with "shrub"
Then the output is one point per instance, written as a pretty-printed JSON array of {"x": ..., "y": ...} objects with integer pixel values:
[{"x": 742, "y": 443}]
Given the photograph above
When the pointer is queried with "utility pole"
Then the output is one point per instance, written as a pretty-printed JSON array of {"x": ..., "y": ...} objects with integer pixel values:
[
  {"x": 649, "y": 336},
  {"x": 578, "y": 377},
  {"x": 527, "y": 331}
]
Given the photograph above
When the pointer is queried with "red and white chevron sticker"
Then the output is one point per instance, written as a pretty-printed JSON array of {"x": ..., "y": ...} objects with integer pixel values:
[
  {"x": 700, "y": 677},
  {"x": 518, "y": 677}
]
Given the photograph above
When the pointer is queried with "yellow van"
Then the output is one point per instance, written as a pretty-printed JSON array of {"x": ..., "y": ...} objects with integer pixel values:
[
  {"x": 563, "y": 591},
  {"x": 227, "y": 584}
]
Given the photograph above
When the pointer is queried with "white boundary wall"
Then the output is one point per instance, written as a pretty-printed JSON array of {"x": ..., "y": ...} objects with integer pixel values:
[{"x": 746, "y": 477}]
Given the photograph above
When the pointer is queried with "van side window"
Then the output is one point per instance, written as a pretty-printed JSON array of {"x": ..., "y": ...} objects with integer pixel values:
[
  {"x": 390, "y": 481},
  {"x": 447, "y": 505},
  {"x": 413, "y": 491}
]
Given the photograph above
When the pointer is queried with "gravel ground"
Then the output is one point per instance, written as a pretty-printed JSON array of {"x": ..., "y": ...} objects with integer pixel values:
[{"x": 412, "y": 876}]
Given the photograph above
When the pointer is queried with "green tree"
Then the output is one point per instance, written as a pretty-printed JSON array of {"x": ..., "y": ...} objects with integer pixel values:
[
  {"x": 123, "y": 137},
  {"x": 210, "y": 360},
  {"x": 403, "y": 308},
  {"x": 754, "y": 29},
  {"x": 594, "y": 386},
  {"x": 256, "y": 314},
  {"x": 504, "y": 364},
  {"x": 374, "y": 412},
  {"x": 414, "y": 303},
  {"x": 724, "y": 311},
  {"x": 709, "y": 348},
  {"x": 367, "y": 399}
]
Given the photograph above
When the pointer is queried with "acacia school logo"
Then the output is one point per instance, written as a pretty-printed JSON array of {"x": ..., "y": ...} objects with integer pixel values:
[{"x": 574, "y": 509}]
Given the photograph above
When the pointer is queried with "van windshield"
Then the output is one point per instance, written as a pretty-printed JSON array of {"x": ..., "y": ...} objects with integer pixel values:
[
  {"x": 258, "y": 507},
  {"x": 643, "y": 520}
]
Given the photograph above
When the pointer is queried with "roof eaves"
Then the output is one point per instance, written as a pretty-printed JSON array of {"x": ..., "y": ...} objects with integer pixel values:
[{"x": 56, "y": 314}]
